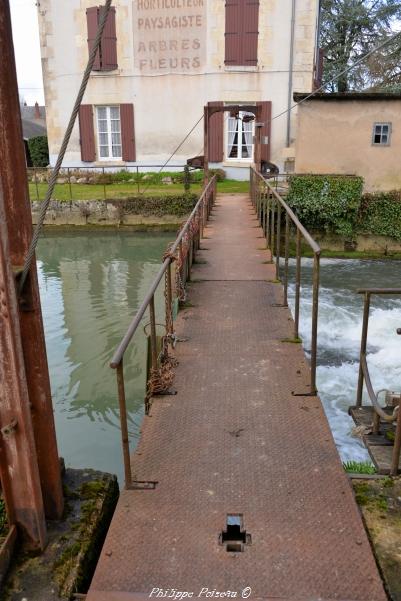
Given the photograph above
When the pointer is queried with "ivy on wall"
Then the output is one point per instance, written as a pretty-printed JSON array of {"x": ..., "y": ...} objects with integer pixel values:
[
  {"x": 380, "y": 214},
  {"x": 328, "y": 203}
]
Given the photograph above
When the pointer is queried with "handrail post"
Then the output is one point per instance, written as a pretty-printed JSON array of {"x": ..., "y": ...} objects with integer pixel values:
[
  {"x": 169, "y": 303},
  {"x": 69, "y": 184},
  {"x": 315, "y": 316},
  {"x": 153, "y": 336},
  {"x": 365, "y": 326},
  {"x": 278, "y": 242},
  {"x": 104, "y": 184},
  {"x": 268, "y": 220},
  {"x": 397, "y": 445},
  {"x": 124, "y": 424},
  {"x": 272, "y": 226},
  {"x": 287, "y": 253},
  {"x": 297, "y": 283}
]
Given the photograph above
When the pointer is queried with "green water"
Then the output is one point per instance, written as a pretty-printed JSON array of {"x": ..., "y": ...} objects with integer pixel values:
[{"x": 91, "y": 285}]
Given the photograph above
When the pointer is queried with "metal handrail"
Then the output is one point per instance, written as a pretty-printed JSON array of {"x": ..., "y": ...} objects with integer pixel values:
[
  {"x": 269, "y": 206},
  {"x": 199, "y": 215},
  {"x": 364, "y": 377}
]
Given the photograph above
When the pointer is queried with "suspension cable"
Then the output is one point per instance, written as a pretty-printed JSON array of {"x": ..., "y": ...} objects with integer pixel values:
[
  {"x": 56, "y": 170},
  {"x": 176, "y": 150}
]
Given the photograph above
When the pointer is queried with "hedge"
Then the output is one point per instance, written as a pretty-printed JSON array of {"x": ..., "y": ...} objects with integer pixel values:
[
  {"x": 157, "y": 206},
  {"x": 39, "y": 151},
  {"x": 327, "y": 202}
]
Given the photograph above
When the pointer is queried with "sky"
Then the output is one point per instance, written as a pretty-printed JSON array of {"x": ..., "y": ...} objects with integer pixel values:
[{"x": 27, "y": 50}]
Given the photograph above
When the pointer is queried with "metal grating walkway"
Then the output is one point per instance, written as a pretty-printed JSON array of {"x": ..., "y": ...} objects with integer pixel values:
[{"x": 235, "y": 440}]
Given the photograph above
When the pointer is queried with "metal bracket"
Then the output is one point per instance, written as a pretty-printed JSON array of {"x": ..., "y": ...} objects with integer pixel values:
[
  {"x": 143, "y": 485},
  {"x": 176, "y": 339},
  {"x": 9, "y": 429},
  {"x": 24, "y": 295}
]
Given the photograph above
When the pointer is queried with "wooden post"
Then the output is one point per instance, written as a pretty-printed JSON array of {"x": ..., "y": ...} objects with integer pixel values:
[
  {"x": 18, "y": 223},
  {"x": 206, "y": 144},
  {"x": 19, "y": 471}
]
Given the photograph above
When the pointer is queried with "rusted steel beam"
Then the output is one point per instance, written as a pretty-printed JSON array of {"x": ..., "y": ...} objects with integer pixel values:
[
  {"x": 19, "y": 228},
  {"x": 18, "y": 461}
]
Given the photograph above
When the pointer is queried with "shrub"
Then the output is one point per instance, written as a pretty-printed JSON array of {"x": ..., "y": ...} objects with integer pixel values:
[
  {"x": 326, "y": 202},
  {"x": 380, "y": 214},
  {"x": 39, "y": 151},
  {"x": 158, "y": 206}
]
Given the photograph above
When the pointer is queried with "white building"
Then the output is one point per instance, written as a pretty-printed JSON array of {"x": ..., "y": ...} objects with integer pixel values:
[{"x": 161, "y": 61}]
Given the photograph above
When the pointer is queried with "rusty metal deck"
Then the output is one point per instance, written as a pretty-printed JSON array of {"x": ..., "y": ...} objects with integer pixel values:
[{"x": 235, "y": 440}]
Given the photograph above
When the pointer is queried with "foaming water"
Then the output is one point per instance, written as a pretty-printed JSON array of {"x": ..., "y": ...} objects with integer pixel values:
[
  {"x": 91, "y": 285},
  {"x": 339, "y": 335}
]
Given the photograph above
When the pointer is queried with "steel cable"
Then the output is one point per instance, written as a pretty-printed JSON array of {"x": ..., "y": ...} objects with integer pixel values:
[{"x": 56, "y": 170}]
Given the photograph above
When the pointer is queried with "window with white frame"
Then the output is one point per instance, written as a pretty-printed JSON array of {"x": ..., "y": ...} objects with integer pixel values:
[
  {"x": 240, "y": 134},
  {"x": 381, "y": 134},
  {"x": 109, "y": 132}
]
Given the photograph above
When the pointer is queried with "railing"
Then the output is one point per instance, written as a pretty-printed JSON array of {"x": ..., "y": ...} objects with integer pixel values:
[
  {"x": 364, "y": 377},
  {"x": 269, "y": 207},
  {"x": 181, "y": 254},
  {"x": 71, "y": 178}
]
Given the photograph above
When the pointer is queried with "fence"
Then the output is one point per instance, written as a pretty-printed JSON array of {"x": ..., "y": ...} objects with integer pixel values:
[
  {"x": 393, "y": 416},
  {"x": 270, "y": 206},
  {"x": 92, "y": 183},
  {"x": 181, "y": 255}
]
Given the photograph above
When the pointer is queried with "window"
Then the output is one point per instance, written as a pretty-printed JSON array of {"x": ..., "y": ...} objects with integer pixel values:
[
  {"x": 109, "y": 132},
  {"x": 381, "y": 134},
  {"x": 240, "y": 133},
  {"x": 241, "y": 36}
]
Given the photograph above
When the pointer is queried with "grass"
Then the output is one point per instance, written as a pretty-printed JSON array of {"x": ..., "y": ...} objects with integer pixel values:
[
  {"x": 359, "y": 467},
  {"x": 125, "y": 189}
]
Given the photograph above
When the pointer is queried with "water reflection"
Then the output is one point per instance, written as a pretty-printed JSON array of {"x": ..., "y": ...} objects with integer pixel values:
[{"x": 91, "y": 285}]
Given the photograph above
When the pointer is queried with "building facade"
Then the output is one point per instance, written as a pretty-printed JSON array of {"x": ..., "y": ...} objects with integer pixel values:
[
  {"x": 160, "y": 62},
  {"x": 354, "y": 133}
]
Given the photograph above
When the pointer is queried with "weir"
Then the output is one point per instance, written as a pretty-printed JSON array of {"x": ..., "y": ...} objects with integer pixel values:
[{"x": 236, "y": 488}]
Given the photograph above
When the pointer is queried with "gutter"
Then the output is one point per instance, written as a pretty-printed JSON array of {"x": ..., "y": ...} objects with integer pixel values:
[{"x": 290, "y": 73}]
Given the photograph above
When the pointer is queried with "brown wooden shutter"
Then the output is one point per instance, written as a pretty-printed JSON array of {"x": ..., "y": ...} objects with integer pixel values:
[
  {"x": 265, "y": 118},
  {"x": 216, "y": 133},
  {"x": 128, "y": 132},
  {"x": 250, "y": 32},
  {"x": 242, "y": 32},
  {"x": 109, "y": 42},
  {"x": 92, "y": 19},
  {"x": 87, "y": 133},
  {"x": 233, "y": 35}
]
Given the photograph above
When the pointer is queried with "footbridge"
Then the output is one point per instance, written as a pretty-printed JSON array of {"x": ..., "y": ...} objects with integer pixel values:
[{"x": 236, "y": 488}]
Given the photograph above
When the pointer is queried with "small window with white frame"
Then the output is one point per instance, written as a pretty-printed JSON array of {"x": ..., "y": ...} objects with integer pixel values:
[
  {"x": 240, "y": 133},
  {"x": 381, "y": 134},
  {"x": 109, "y": 133}
]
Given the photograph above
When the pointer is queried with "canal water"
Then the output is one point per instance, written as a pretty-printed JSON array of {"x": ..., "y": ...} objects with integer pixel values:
[
  {"x": 92, "y": 284},
  {"x": 339, "y": 336}
]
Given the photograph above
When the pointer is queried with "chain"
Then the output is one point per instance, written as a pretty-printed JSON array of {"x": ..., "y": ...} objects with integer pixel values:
[{"x": 162, "y": 376}]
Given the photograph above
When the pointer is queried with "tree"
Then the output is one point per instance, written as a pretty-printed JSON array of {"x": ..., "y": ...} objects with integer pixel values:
[
  {"x": 349, "y": 29},
  {"x": 39, "y": 151}
]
